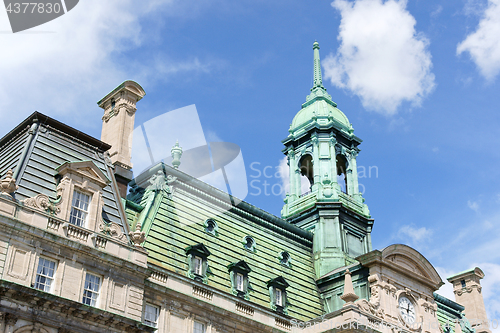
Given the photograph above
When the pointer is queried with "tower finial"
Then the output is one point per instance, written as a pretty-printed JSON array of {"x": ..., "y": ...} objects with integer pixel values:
[
  {"x": 318, "y": 90},
  {"x": 318, "y": 79}
]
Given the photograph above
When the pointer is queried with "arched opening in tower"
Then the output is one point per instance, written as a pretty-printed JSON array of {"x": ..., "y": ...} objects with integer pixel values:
[
  {"x": 341, "y": 172},
  {"x": 306, "y": 169}
]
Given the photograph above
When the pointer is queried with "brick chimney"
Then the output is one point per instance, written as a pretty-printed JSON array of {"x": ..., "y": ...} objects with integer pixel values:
[{"x": 117, "y": 127}]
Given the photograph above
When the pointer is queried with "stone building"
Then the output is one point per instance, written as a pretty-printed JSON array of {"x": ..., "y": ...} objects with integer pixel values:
[{"x": 79, "y": 254}]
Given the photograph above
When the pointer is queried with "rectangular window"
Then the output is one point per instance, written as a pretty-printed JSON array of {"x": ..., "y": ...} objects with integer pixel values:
[
  {"x": 45, "y": 274},
  {"x": 279, "y": 297},
  {"x": 151, "y": 315},
  {"x": 91, "y": 289},
  {"x": 239, "y": 282},
  {"x": 198, "y": 265},
  {"x": 199, "y": 327},
  {"x": 463, "y": 283},
  {"x": 79, "y": 209}
]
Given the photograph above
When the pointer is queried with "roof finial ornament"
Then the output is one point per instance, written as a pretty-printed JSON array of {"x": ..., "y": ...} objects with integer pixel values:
[
  {"x": 318, "y": 90},
  {"x": 176, "y": 155},
  {"x": 318, "y": 78},
  {"x": 349, "y": 296}
]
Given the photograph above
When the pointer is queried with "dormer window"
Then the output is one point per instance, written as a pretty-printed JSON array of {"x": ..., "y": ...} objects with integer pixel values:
[
  {"x": 240, "y": 284},
  {"x": 80, "y": 193},
  {"x": 284, "y": 258},
  {"x": 79, "y": 209},
  {"x": 198, "y": 266},
  {"x": 197, "y": 257},
  {"x": 211, "y": 227},
  {"x": 279, "y": 297},
  {"x": 277, "y": 292},
  {"x": 249, "y": 243},
  {"x": 240, "y": 279}
]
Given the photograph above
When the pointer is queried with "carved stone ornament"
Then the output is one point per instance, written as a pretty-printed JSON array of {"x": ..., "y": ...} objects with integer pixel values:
[
  {"x": 349, "y": 296},
  {"x": 112, "y": 229},
  {"x": 137, "y": 237},
  {"x": 373, "y": 305},
  {"x": 8, "y": 183},
  {"x": 43, "y": 202},
  {"x": 158, "y": 182}
]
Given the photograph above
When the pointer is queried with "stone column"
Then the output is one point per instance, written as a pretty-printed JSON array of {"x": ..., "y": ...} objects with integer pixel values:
[
  {"x": 333, "y": 162},
  {"x": 292, "y": 166},
  {"x": 317, "y": 181},
  {"x": 354, "y": 168}
]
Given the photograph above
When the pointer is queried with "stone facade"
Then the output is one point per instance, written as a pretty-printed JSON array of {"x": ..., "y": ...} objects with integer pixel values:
[{"x": 77, "y": 254}]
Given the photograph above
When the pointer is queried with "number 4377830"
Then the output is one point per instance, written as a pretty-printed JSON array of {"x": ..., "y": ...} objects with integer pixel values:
[{"x": 33, "y": 7}]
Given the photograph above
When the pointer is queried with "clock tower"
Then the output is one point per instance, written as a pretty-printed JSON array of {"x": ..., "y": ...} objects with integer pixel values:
[{"x": 322, "y": 147}]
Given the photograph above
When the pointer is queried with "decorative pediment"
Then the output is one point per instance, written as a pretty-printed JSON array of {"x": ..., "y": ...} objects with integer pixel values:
[
  {"x": 405, "y": 260},
  {"x": 198, "y": 250},
  {"x": 85, "y": 169},
  {"x": 240, "y": 266},
  {"x": 278, "y": 282}
]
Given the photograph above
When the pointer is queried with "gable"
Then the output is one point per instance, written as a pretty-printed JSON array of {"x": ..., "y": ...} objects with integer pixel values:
[{"x": 85, "y": 169}]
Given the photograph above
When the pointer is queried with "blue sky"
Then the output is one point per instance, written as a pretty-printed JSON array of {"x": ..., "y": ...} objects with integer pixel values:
[{"x": 419, "y": 81}]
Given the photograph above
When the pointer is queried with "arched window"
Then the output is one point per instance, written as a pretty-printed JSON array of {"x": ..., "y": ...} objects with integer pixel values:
[
  {"x": 341, "y": 172},
  {"x": 307, "y": 169},
  {"x": 211, "y": 227},
  {"x": 249, "y": 243},
  {"x": 284, "y": 258}
]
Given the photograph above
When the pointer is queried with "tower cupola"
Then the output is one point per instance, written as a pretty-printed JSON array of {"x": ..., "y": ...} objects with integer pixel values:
[{"x": 322, "y": 147}]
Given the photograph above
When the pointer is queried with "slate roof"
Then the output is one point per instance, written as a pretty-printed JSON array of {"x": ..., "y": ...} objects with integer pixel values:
[{"x": 35, "y": 151}]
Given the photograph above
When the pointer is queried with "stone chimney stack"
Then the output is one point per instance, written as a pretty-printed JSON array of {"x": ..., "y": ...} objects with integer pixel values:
[
  {"x": 117, "y": 127},
  {"x": 467, "y": 289}
]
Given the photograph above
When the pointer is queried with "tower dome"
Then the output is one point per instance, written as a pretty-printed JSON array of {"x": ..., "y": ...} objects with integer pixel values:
[{"x": 319, "y": 107}]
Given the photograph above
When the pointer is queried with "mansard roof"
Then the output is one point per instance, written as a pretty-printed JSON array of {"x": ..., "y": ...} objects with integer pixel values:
[
  {"x": 37, "y": 147},
  {"x": 173, "y": 219}
]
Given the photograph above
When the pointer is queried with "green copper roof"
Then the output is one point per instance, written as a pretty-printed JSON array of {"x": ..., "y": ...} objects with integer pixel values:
[{"x": 319, "y": 104}]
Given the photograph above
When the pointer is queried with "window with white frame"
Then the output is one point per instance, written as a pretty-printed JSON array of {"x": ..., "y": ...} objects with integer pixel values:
[
  {"x": 91, "y": 289},
  {"x": 240, "y": 279},
  {"x": 279, "y": 297},
  {"x": 79, "y": 209},
  {"x": 151, "y": 314},
  {"x": 199, "y": 327},
  {"x": 45, "y": 274},
  {"x": 278, "y": 294},
  {"x": 198, "y": 265}
]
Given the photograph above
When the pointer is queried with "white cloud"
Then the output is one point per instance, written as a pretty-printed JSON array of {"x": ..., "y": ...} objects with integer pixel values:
[
  {"x": 483, "y": 45},
  {"x": 473, "y": 205},
  {"x": 62, "y": 68},
  {"x": 382, "y": 59},
  {"x": 415, "y": 235}
]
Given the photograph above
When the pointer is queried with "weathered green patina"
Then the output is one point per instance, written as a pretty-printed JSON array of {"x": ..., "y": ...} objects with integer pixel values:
[{"x": 173, "y": 208}]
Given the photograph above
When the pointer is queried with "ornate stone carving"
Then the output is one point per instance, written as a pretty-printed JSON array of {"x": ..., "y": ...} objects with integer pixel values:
[
  {"x": 373, "y": 305},
  {"x": 137, "y": 237},
  {"x": 8, "y": 183},
  {"x": 43, "y": 202},
  {"x": 112, "y": 229},
  {"x": 159, "y": 182}
]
